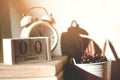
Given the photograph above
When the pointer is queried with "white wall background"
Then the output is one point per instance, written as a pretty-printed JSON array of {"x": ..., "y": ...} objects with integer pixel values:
[{"x": 100, "y": 18}]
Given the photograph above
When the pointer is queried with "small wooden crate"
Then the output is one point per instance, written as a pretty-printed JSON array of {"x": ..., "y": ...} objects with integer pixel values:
[{"x": 94, "y": 71}]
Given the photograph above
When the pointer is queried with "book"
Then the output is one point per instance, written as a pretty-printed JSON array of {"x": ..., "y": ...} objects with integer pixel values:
[
  {"x": 57, "y": 77},
  {"x": 34, "y": 68}
]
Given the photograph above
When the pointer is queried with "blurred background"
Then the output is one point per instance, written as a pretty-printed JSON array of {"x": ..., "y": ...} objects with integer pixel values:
[{"x": 100, "y": 18}]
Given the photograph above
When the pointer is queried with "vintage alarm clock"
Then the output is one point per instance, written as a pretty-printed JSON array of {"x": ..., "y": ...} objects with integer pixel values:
[{"x": 35, "y": 27}]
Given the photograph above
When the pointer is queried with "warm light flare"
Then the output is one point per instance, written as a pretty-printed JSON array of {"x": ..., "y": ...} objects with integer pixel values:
[{"x": 100, "y": 18}]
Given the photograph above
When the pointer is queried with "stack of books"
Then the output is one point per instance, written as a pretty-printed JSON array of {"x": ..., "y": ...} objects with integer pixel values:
[{"x": 35, "y": 70}]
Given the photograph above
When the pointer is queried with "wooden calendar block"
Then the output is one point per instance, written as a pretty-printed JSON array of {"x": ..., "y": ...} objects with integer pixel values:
[
  {"x": 38, "y": 50},
  {"x": 17, "y": 50},
  {"x": 21, "y": 46}
]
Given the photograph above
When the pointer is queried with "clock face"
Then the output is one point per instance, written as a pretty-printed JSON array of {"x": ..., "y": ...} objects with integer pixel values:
[{"x": 41, "y": 29}]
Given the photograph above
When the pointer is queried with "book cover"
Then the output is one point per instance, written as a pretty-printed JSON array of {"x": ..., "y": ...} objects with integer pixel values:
[{"x": 34, "y": 68}]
